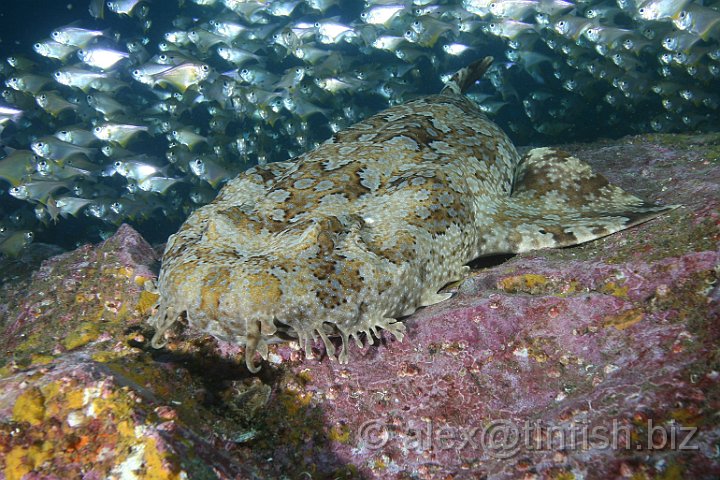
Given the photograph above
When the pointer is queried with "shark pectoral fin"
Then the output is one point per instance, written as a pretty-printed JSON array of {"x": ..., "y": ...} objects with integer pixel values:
[
  {"x": 433, "y": 298},
  {"x": 557, "y": 200}
]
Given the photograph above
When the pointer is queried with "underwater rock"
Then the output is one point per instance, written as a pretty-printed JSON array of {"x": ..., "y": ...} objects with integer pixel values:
[{"x": 596, "y": 361}]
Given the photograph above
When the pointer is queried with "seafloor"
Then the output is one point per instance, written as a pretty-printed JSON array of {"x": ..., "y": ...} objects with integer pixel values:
[{"x": 598, "y": 361}]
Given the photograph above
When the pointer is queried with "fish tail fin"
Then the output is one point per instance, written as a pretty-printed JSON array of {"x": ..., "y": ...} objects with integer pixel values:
[
  {"x": 466, "y": 77},
  {"x": 557, "y": 200}
]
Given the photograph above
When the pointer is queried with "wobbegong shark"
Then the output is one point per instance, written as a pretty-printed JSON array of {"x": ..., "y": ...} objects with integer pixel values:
[{"x": 350, "y": 237}]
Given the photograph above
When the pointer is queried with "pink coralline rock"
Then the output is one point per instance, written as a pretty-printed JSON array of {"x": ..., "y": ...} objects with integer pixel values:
[{"x": 596, "y": 361}]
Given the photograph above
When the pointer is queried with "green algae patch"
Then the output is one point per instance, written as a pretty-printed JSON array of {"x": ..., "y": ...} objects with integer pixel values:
[
  {"x": 66, "y": 427},
  {"x": 73, "y": 305},
  {"x": 624, "y": 320},
  {"x": 340, "y": 433},
  {"x": 85, "y": 333},
  {"x": 30, "y": 407},
  {"x": 22, "y": 460},
  {"x": 612, "y": 288},
  {"x": 530, "y": 283},
  {"x": 146, "y": 302}
]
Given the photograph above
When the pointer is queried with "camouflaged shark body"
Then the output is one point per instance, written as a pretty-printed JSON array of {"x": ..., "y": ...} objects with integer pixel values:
[{"x": 369, "y": 226}]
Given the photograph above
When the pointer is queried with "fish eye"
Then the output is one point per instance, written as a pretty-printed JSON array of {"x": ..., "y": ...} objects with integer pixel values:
[
  {"x": 641, "y": 10},
  {"x": 205, "y": 68},
  {"x": 683, "y": 14},
  {"x": 40, "y": 144},
  {"x": 97, "y": 129},
  {"x": 118, "y": 164},
  {"x": 55, "y": 34},
  {"x": 29, "y": 235},
  {"x": 492, "y": 25},
  {"x": 244, "y": 71},
  {"x": 58, "y": 74},
  {"x": 163, "y": 57},
  {"x": 317, "y": 24},
  {"x": 136, "y": 72},
  {"x": 43, "y": 97}
]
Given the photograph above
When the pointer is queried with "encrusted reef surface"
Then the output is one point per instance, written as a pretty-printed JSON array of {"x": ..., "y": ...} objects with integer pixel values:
[{"x": 597, "y": 361}]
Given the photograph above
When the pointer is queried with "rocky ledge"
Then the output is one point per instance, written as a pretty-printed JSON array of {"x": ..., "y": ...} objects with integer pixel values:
[{"x": 597, "y": 361}]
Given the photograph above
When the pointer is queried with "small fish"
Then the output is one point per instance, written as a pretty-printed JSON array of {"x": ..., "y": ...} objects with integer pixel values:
[
  {"x": 229, "y": 30},
  {"x": 106, "y": 105},
  {"x": 657, "y": 10},
  {"x": 13, "y": 243},
  {"x": 53, "y": 49},
  {"x": 21, "y": 63},
  {"x": 383, "y": 14},
  {"x": 237, "y": 56},
  {"x": 75, "y": 36},
  {"x": 188, "y": 137},
  {"x": 118, "y": 133},
  {"x": 330, "y": 32},
  {"x": 122, "y": 7},
  {"x": 699, "y": 20},
  {"x": 29, "y": 83},
  {"x": 210, "y": 171},
  {"x": 67, "y": 205},
  {"x": 158, "y": 184},
  {"x": 510, "y": 29},
  {"x": 205, "y": 40},
  {"x": 55, "y": 149},
  {"x": 137, "y": 169},
  {"x": 182, "y": 76},
  {"x": 78, "y": 78},
  {"x": 54, "y": 103},
  {"x": 456, "y": 49},
  {"x": 17, "y": 165},
  {"x": 37, "y": 191},
  {"x": 77, "y": 136},
  {"x": 102, "y": 58}
]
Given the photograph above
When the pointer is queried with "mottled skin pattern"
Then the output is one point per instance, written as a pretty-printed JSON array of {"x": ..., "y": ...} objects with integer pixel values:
[{"x": 369, "y": 226}]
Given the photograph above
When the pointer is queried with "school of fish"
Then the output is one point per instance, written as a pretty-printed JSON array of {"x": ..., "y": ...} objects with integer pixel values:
[{"x": 100, "y": 127}]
